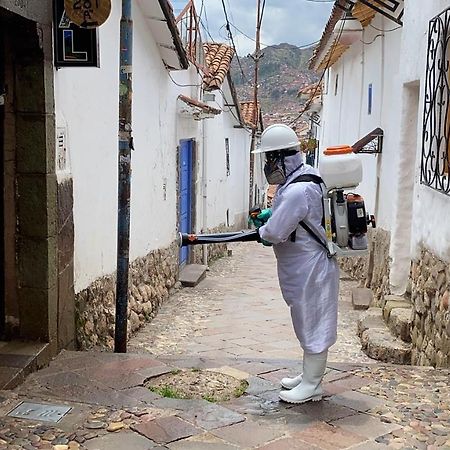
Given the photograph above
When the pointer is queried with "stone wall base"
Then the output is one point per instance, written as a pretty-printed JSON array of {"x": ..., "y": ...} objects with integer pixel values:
[
  {"x": 430, "y": 286},
  {"x": 215, "y": 251},
  {"x": 152, "y": 278},
  {"x": 372, "y": 270}
]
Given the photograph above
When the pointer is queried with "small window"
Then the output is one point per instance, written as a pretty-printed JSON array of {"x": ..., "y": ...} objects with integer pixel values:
[
  {"x": 227, "y": 155},
  {"x": 370, "y": 99},
  {"x": 336, "y": 84}
]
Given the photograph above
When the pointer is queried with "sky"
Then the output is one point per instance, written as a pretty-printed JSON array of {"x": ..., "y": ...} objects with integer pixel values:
[{"x": 298, "y": 22}]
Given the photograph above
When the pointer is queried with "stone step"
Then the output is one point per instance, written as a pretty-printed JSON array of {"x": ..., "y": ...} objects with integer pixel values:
[
  {"x": 192, "y": 274},
  {"x": 378, "y": 342},
  {"x": 372, "y": 318},
  {"x": 397, "y": 315},
  {"x": 400, "y": 322},
  {"x": 392, "y": 302},
  {"x": 362, "y": 298}
]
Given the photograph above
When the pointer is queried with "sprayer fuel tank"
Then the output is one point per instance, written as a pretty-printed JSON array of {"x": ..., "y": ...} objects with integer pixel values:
[{"x": 340, "y": 168}]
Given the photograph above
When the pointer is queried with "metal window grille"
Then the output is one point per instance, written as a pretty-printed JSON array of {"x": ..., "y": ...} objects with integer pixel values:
[{"x": 435, "y": 167}]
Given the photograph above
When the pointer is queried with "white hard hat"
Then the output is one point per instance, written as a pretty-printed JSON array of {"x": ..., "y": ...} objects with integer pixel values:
[{"x": 277, "y": 137}]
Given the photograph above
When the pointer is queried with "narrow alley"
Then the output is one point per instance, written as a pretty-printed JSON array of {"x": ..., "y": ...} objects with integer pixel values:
[
  {"x": 233, "y": 324},
  {"x": 238, "y": 311}
]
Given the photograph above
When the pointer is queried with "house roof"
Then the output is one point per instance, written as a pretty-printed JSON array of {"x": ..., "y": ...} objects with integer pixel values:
[
  {"x": 329, "y": 50},
  {"x": 199, "y": 105},
  {"x": 218, "y": 59},
  {"x": 311, "y": 89},
  {"x": 318, "y": 56},
  {"x": 248, "y": 113},
  {"x": 161, "y": 20}
]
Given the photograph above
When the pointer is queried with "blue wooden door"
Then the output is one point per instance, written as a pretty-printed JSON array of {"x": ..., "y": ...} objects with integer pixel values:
[{"x": 185, "y": 199}]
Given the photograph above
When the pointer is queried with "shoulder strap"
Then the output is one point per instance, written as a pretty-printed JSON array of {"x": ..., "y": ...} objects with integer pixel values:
[
  {"x": 306, "y": 178},
  {"x": 309, "y": 177}
]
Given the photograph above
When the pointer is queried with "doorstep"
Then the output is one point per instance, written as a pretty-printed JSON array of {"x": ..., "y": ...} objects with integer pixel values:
[
  {"x": 192, "y": 274},
  {"x": 18, "y": 359}
]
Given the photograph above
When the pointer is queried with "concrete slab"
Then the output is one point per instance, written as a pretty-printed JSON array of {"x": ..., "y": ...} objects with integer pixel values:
[
  {"x": 361, "y": 298},
  {"x": 192, "y": 274}
]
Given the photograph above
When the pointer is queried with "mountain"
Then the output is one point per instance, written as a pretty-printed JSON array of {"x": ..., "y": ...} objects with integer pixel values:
[{"x": 283, "y": 71}]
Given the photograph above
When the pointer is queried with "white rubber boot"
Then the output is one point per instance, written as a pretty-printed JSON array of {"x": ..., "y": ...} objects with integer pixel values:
[
  {"x": 291, "y": 383},
  {"x": 310, "y": 387}
]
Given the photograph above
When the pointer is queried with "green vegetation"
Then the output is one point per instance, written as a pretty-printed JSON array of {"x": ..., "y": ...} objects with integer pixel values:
[
  {"x": 241, "y": 389},
  {"x": 166, "y": 391}
]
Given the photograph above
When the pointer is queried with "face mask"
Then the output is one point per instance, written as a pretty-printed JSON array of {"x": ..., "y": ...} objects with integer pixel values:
[{"x": 274, "y": 174}]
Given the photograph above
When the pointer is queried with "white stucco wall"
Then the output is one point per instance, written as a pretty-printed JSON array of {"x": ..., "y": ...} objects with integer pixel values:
[
  {"x": 346, "y": 119},
  {"x": 87, "y": 105},
  {"x": 227, "y": 194},
  {"x": 431, "y": 213},
  {"x": 395, "y": 64}
]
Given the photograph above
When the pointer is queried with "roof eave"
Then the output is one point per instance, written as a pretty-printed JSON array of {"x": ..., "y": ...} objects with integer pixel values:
[{"x": 171, "y": 24}]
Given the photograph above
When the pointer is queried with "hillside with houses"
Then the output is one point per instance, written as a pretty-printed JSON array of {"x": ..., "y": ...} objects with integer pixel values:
[{"x": 283, "y": 72}]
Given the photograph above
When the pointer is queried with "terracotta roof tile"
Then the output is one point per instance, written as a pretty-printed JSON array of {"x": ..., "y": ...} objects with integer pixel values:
[
  {"x": 248, "y": 113},
  {"x": 218, "y": 61},
  {"x": 198, "y": 104},
  {"x": 311, "y": 89}
]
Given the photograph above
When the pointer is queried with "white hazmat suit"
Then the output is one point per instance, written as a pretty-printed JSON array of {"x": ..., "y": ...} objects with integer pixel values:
[{"x": 309, "y": 280}]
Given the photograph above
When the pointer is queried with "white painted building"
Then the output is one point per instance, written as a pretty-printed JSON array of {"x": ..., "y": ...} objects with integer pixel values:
[
  {"x": 190, "y": 166},
  {"x": 381, "y": 77}
]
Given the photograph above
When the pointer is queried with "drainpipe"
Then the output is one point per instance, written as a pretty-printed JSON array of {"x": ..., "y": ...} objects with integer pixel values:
[
  {"x": 124, "y": 179},
  {"x": 204, "y": 191}
]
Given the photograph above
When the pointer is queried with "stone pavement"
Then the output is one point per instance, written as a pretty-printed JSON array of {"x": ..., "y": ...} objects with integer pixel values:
[{"x": 234, "y": 322}]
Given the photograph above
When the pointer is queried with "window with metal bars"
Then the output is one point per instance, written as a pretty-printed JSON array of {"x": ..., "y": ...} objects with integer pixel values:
[{"x": 435, "y": 167}]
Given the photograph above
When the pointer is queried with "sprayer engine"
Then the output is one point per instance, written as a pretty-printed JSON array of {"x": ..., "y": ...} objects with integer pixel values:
[{"x": 346, "y": 219}]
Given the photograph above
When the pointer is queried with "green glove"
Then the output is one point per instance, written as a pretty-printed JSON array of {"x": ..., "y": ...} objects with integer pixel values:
[
  {"x": 261, "y": 218},
  {"x": 263, "y": 241}
]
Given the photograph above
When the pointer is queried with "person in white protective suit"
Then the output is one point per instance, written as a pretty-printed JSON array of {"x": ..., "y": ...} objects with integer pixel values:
[{"x": 308, "y": 278}]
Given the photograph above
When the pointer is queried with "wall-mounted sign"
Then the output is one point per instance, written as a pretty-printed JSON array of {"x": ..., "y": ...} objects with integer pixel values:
[
  {"x": 74, "y": 46},
  {"x": 88, "y": 13}
]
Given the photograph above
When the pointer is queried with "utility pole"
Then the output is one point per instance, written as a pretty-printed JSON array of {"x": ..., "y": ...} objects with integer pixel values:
[
  {"x": 124, "y": 181},
  {"x": 256, "y": 59}
]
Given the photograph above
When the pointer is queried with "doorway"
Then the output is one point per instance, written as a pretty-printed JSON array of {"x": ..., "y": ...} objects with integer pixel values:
[
  {"x": 28, "y": 200},
  {"x": 185, "y": 200},
  {"x": 2, "y": 225}
]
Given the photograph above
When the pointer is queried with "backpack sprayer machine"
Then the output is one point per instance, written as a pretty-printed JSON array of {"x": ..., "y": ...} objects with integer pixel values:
[{"x": 345, "y": 218}]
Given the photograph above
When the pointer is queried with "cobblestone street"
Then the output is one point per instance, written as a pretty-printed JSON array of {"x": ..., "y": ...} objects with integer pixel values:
[
  {"x": 238, "y": 311},
  {"x": 234, "y": 323}
]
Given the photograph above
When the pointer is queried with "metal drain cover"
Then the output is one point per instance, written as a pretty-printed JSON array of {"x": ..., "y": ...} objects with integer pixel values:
[{"x": 39, "y": 412}]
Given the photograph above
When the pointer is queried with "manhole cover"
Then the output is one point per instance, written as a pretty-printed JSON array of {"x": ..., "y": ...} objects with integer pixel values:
[
  {"x": 197, "y": 384},
  {"x": 40, "y": 412}
]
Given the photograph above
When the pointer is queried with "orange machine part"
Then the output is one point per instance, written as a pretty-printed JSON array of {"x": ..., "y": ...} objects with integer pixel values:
[
  {"x": 338, "y": 150},
  {"x": 351, "y": 198}
]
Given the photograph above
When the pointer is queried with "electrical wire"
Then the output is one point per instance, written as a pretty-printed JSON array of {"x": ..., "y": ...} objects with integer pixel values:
[
  {"x": 303, "y": 46},
  {"x": 182, "y": 85},
  {"x": 230, "y": 109},
  {"x": 262, "y": 14},
  {"x": 223, "y": 96},
  {"x": 230, "y": 35},
  {"x": 373, "y": 40},
  {"x": 308, "y": 104},
  {"x": 386, "y": 31}
]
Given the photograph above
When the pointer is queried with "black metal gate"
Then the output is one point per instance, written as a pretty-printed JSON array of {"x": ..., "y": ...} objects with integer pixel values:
[{"x": 435, "y": 168}]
